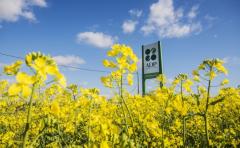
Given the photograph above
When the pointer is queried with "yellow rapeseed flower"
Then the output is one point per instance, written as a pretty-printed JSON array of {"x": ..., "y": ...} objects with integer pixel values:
[
  {"x": 224, "y": 82},
  {"x": 55, "y": 109},
  {"x": 133, "y": 67},
  {"x": 13, "y": 68},
  {"x": 130, "y": 79},
  {"x": 23, "y": 85}
]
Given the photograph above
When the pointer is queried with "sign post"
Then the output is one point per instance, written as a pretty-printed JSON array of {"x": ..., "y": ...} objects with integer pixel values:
[{"x": 152, "y": 64}]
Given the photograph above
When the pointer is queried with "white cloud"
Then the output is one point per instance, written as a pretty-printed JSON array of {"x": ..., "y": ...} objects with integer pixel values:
[
  {"x": 168, "y": 22},
  {"x": 135, "y": 12},
  {"x": 129, "y": 26},
  {"x": 193, "y": 12},
  {"x": 69, "y": 60},
  {"x": 29, "y": 15},
  {"x": 209, "y": 18},
  {"x": 97, "y": 39},
  {"x": 232, "y": 60},
  {"x": 12, "y": 10},
  {"x": 41, "y": 3}
]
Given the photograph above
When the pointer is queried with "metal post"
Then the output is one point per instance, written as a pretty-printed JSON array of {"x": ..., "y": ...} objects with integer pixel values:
[
  {"x": 143, "y": 78},
  {"x": 160, "y": 61},
  {"x": 143, "y": 87}
]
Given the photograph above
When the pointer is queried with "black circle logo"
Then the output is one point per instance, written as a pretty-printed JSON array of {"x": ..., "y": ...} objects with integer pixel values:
[{"x": 150, "y": 54}]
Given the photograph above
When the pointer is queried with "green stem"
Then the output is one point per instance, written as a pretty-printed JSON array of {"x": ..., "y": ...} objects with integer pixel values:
[
  {"x": 124, "y": 102},
  {"x": 38, "y": 136},
  {"x": 184, "y": 132},
  {"x": 206, "y": 130},
  {"x": 129, "y": 113},
  {"x": 89, "y": 121},
  {"x": 184, "y": 120},
  {"x": 27, "y": 126},
  {"x": 206, "y": 111},
  {"x": 163, "y": 131},
  {"x": 60, "y": 136},
  {"x": 121, "y": 95},
  {"x": 125, "y": 117}
]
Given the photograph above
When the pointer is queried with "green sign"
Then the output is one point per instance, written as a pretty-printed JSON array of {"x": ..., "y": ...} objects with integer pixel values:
[{"x": 151, "y": 62}]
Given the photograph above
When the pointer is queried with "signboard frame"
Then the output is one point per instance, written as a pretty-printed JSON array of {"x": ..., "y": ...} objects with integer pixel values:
[{"x": 155, "y": 74}]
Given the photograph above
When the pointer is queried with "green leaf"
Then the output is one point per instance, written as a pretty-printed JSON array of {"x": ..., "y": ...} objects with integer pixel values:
[{"x": 216, "y": 101}]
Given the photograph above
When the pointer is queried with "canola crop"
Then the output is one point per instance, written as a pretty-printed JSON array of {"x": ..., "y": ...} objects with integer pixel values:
[{"x": 39, "y": 109}]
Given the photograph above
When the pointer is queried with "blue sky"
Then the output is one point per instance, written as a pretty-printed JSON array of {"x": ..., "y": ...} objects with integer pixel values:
[{"x": 79, "y": 33}]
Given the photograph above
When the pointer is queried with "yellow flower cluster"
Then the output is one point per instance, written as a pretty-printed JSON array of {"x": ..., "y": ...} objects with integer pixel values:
[
  {"x": 42, "y": 66},
  {"x": 125, "y": 63},
  {"x": 13, "y": 68},
  {"x": 213, "y": 68},
  {"x": 23, "y": 85},
  {"x": 176, "y": 115}
]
